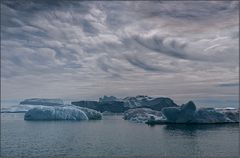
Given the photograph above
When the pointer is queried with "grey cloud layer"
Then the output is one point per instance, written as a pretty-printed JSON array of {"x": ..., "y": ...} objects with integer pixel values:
[{"x": 184, "y": 50}]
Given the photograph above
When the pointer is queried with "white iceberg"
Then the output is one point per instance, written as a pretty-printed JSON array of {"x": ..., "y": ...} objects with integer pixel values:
[
  {"x": 142, "y": 115},
  {"x": 61, "y": 113}
]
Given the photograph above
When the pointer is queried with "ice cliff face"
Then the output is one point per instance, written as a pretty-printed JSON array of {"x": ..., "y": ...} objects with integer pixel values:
[
  {"x": 61, "y": 113},
  {"x": 42, "y": 101}
]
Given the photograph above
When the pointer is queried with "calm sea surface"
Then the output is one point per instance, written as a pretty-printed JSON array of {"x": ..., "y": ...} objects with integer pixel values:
[{"x": 114, "y": 137}]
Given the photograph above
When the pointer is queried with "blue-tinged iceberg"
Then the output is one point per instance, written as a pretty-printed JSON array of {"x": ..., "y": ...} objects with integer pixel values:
[
  {"x": 62, "y": 113},
  {"x": 189, "y": 114}
]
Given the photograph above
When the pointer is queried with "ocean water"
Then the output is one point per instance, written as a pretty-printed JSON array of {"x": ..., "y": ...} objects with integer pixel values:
[{"x": 114, "y": 137}]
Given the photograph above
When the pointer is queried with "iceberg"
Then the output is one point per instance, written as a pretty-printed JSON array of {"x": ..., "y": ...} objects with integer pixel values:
[
  {"x": 189, "y": 114},
  {"x": 66, "y": 112},
  {"x": 142, "y": 115},
  {"x": 111, "y": 106},
  {"x": 42, "y": 101},
  {"x": 108, "y": 98},
  {"x": 149, "y": 102},
  {"x": 87, "y": 104},
  {"x": 231, "y": 113},
  {"x": 185, "y": 113},
  {"x": 116, "y": 105}
]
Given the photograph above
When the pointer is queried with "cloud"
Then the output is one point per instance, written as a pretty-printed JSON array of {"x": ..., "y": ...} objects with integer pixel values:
[
  {"x": 75, "y": 49},
  {"x": 164, "y": 45},
  {"x": 146, "y": 66}
]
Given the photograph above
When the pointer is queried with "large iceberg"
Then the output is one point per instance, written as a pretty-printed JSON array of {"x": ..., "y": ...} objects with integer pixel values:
[
  {"x": 149, "y": 102},
  {"x": 42, "y": 101},
  {"x": 116, "y": 105},
  {"x": 142, "y": 115},
  {"x": 110, "y": 106},
  {"x": 189, "y": 114},
  {"x": 61, "y": 113}
]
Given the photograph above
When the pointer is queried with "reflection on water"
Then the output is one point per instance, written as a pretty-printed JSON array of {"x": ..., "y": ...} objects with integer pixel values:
[
  {"x": 195, "y": 127},
  {"x": 195, "y": 130}
]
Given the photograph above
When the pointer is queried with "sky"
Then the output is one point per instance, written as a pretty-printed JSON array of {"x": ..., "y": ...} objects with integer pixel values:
[{"x": 83, "y": 50}]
